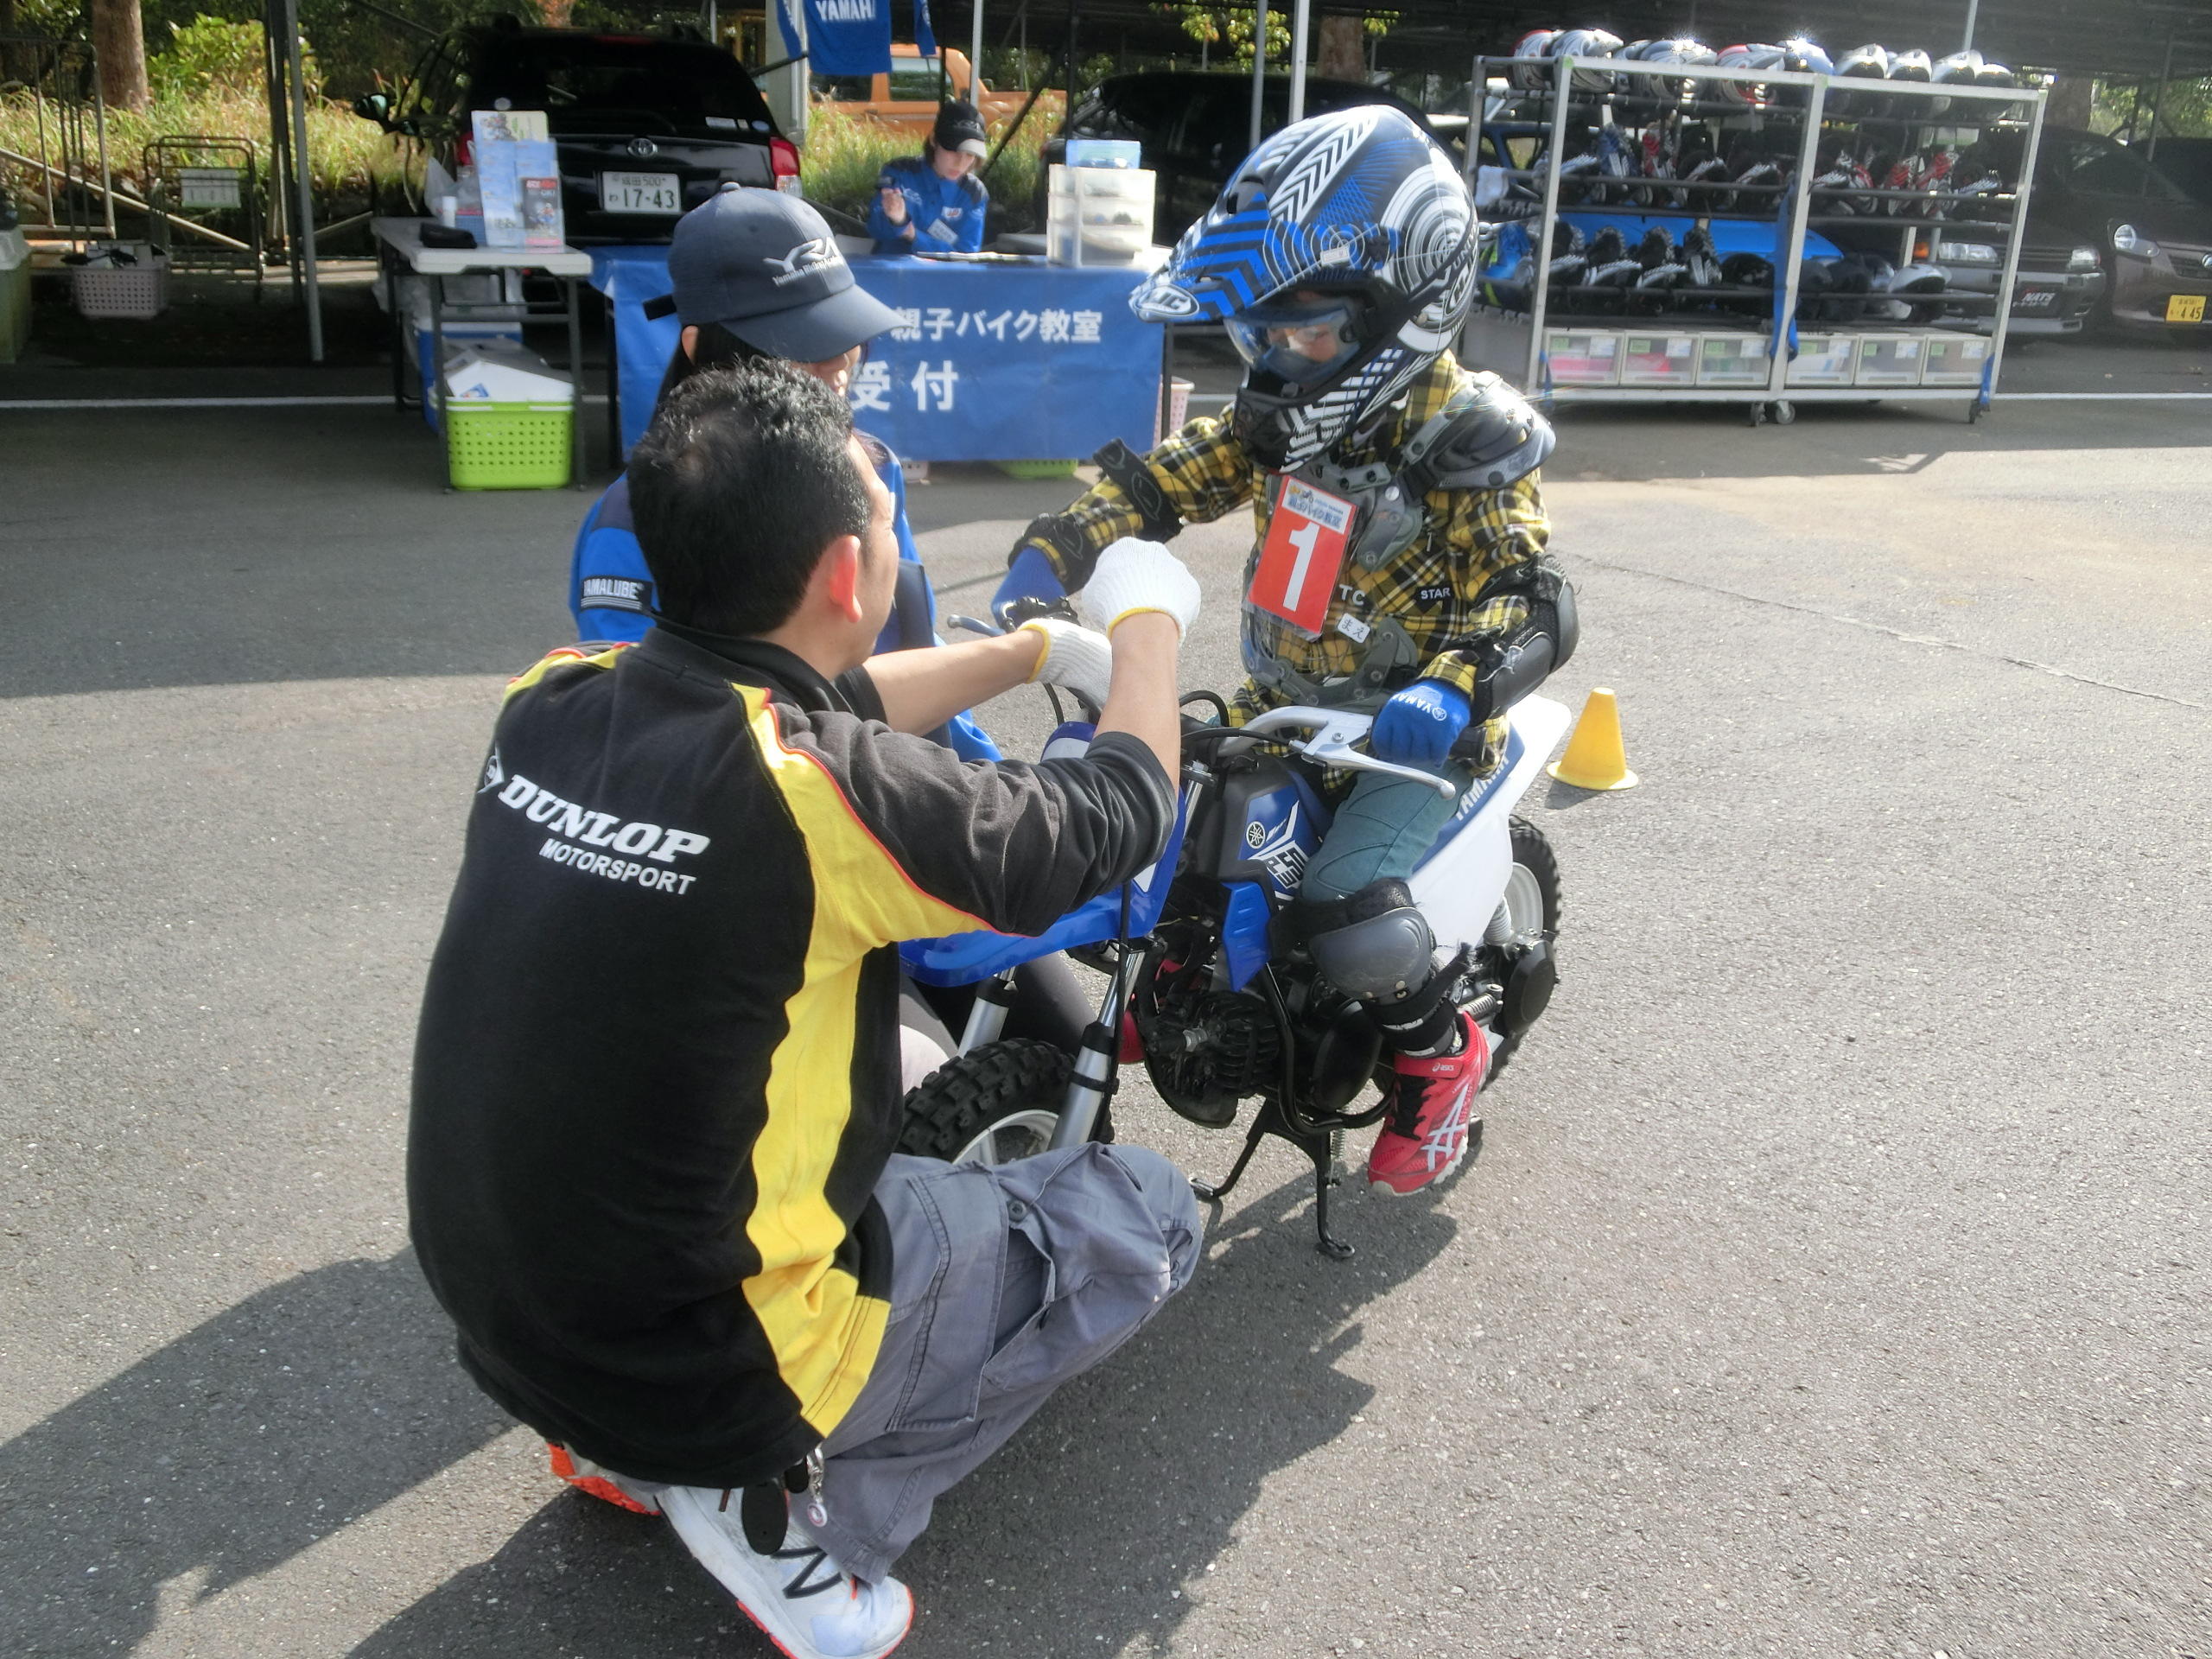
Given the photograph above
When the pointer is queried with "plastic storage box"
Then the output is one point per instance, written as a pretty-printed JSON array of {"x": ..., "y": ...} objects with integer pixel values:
[
  {"x": 507, "y": 446},
  {"x": 15, "y": 295},
  {"x": 1954, "y": 360},
  {"x": 1658, "y": 359},
  {"x": 1582, "y": 357},
  {"x": 1733, "y": 361},
  {"x": 137, "y": 291},
  {"x": 1890, "y": 361},
  {"x": 1108, "y": 208},
  {"x": 1823, "y": 360}
]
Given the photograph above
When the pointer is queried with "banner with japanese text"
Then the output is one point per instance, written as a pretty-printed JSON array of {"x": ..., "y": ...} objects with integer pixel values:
[{"x": 988, "y": 362}]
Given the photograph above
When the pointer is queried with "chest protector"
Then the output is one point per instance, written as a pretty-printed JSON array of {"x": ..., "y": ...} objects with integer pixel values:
[{"x": 1486, "y": 437}]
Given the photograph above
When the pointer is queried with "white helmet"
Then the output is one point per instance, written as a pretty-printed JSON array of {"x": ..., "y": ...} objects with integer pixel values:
[
  {"x": 1530, "y": 52},
  {"x": 1586, "y": 43},
  {"x": 1754, "y": 58}
]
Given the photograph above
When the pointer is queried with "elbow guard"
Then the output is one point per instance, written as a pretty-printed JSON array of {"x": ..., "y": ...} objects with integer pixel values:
[
  {"x": 1129, "y": 474},
  {"x": 1510, "y": 668}
]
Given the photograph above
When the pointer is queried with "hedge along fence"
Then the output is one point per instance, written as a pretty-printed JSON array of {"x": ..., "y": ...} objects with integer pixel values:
[{"x": 207, "y": 84}]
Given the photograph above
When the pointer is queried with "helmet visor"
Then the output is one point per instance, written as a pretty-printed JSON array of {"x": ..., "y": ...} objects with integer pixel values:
[{"x": 1302, "y": 342}]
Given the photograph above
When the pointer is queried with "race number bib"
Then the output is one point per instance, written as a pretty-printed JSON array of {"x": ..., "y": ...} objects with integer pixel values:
[{"x": 1302, "y": 557}]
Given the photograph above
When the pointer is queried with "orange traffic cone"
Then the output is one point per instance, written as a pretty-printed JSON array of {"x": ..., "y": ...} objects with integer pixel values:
[{"x": 1594, "y": 758}]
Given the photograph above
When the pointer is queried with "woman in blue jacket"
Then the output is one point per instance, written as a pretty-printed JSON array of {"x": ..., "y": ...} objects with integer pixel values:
[
  {"x": 933, "y": 203},
  {"x": 756, "y": 273}
]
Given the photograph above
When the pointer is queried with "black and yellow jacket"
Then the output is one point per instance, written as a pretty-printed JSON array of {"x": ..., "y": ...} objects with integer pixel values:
[{"x": 656, "y": 1076}]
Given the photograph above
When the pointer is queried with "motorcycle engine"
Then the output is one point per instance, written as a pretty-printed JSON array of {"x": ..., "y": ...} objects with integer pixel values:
[{"x": 1208, "y": 1049}]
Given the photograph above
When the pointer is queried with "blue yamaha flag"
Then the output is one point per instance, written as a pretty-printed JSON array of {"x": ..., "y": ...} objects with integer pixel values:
[
  {"x": 844, "y": 38},
  {"x": 924, "y": 37}
]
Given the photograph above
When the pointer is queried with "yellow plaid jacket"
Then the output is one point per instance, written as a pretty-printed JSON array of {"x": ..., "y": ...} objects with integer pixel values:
[{"x": 1438, "y": 588}]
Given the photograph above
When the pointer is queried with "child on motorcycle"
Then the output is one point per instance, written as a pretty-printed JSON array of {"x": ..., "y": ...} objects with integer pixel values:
[{"x": 1399, "y": 565}]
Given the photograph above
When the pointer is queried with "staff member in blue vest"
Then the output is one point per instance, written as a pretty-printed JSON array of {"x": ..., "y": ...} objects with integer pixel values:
[{"x": 933, "y": 203}]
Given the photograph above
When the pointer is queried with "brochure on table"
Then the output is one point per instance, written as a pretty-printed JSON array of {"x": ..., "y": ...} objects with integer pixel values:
[{"x": 519, "y": 177}]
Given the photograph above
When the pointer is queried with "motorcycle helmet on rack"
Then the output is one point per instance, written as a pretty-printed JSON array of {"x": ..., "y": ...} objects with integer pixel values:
[
  {"x": 1586, "y": 43},
  {"x": 1801, "y": 56},
  {"x": 1663, "y": 88},
  {"x": 1868, "y": 62},
  {"x": 1959, "y": 69},
  {"x": 1749, "y": 94},
  {"x": 1531, "y": 72},
  {"x": 1911, "y": 68},
  {"x": 1341, "y": 259}
]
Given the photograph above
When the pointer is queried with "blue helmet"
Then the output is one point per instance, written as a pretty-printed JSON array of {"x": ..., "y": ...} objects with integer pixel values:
[{"x": 1341, "y": 258}]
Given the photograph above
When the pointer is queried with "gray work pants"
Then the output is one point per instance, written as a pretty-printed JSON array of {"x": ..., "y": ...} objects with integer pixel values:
[{"x": 1006, "y": 1282}]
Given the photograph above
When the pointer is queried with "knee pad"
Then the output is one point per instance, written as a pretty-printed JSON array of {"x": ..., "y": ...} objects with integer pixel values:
[{"x": 1374, "y": 945}]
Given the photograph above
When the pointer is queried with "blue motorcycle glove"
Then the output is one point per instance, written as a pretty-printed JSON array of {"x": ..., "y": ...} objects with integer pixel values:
[
  {"x": 1418, "y": 726},
  {"x": 1030, "y": 577}
]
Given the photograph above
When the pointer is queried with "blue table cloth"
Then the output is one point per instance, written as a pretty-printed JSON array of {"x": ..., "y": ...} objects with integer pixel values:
[{"x": 989, "y": 362}]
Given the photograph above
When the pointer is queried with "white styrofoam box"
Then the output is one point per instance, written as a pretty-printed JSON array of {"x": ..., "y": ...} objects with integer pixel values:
[
  {"x": 1733, "y": 359},
  {"x": 1823, "y": 360},
  {"x": 1955, "y": 360},
  {"x": 1112, "y": 208},
  {"x": 1582, "y": 357},
  {"x": 15, "y": 249},
  {"x": 1890, "y": 361},
  {"x": 1654, "y": 358},
  {"x": 502, "y": 372}
]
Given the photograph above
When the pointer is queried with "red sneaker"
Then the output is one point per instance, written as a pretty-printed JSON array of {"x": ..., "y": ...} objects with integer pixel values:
[{"x": 1424, "y": 1133}]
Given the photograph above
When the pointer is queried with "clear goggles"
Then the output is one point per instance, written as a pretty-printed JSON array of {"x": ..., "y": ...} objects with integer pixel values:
[{"x": 1302, "y": 341}]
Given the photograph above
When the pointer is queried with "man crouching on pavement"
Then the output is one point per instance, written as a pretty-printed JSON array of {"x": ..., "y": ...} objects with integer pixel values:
[{"x": 656, "y": 1091}]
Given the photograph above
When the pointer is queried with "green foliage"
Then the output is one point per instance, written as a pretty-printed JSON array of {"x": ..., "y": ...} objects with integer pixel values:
[
  {"x": 211, "y": 55},
  {"x": 2186, "y": 112}
]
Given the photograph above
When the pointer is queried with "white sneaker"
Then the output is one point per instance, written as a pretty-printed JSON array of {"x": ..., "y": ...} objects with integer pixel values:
[{"x": 806, "y": 1606}]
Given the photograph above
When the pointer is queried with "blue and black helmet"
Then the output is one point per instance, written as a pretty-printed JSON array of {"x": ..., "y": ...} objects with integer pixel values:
[{"x": 1341, "y": 257}]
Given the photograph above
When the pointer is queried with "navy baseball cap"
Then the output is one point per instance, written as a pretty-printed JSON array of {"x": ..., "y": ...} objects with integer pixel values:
[{"x": 765, "y": 265}]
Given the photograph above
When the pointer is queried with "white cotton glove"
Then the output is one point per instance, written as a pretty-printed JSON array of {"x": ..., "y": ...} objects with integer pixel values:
[
  {"x": 1132, "y": 576},
  {"x": 1075, "y": 657}
]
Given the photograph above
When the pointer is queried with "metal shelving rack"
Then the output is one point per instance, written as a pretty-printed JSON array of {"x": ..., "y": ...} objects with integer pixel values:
[{"x": 1808, "y": 113}]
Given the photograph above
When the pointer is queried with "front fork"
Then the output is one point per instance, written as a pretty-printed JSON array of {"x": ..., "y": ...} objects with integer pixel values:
[{"x": 1097, "y": 1057}]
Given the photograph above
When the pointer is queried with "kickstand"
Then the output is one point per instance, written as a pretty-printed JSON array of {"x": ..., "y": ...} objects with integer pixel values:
[
  {"x": 1212, "y": 1192},
  {"x": 1321, "y": 1149}
]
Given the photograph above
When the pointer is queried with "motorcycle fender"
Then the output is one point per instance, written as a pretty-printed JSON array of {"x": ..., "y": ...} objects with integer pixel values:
[{"x": 1458, "y": 884}]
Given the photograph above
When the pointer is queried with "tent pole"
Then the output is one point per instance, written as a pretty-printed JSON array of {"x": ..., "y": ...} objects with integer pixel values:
[
  {"x": 302, "y": 178},
  {"x": 1974, "y": 11},
  {"x": 1300, "y": 15},
  {"x": 975, "y": 56},
  {"x": 1259, "y": 67}
]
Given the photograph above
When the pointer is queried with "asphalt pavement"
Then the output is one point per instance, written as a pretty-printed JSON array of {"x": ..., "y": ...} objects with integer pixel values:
[{"x": 1833, "y": 1280}]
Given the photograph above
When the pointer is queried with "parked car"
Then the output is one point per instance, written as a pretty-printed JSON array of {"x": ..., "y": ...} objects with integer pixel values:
[
  {"x": 2091, "y": 192},
  {"x": 1196, "y": 127},
  {"x": 647, "y": 126},
  {"x": 2187, "y": 161},
  {"x": 907, "y": 97}
]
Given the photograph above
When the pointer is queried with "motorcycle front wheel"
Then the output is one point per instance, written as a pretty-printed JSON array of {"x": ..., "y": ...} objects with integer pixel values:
[
  {"x": 1530, "y": 904},
  {"x": 990, "y": 1105}
]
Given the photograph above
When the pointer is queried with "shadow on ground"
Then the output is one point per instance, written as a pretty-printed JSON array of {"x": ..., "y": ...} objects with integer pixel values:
[
  {"x": 1119, "y": 1493},
  {"x": 227, "y": 1452}
]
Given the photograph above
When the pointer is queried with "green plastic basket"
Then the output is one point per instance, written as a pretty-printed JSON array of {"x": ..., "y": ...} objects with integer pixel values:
[
  {"x": 1036, "y": 468},
  {"x": 507, "y": 446}
]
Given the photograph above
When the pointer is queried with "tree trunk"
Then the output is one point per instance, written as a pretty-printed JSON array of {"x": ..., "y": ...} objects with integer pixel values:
[
  {"x": 119, "y": 36},
  {"x": 1344, "y": 48},
  {"x": 2069, "y": 104}
]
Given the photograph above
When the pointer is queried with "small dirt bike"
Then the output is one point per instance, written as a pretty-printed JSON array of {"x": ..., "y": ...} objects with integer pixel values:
[{"x": 1207, "y": 986}]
